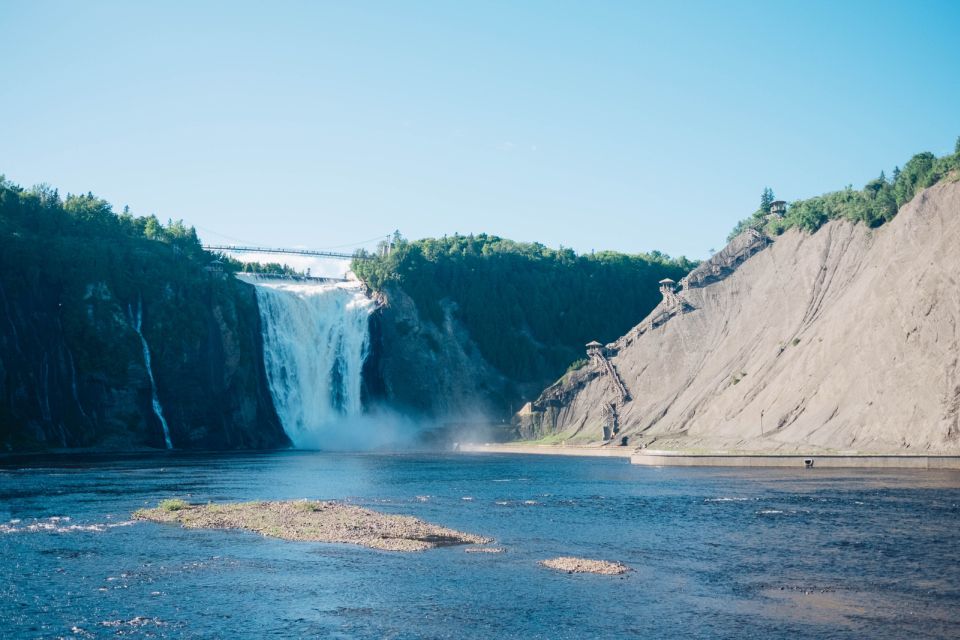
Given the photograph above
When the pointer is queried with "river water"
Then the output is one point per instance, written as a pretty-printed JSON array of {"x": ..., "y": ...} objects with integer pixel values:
[{"x": 715, "y": 553}]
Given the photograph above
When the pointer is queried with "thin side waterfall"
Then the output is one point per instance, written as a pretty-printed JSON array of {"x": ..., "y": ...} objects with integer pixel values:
[
  {"x": 315, "y": 339},
  {"x": 137, "y": 321}
]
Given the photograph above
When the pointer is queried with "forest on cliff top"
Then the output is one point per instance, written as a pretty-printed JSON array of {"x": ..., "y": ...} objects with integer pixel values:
[
  {"x": 74, "y": 275},
  {"x": 529, "y": 308},
  {"x": 875, "y": 204},
  {"x": 65, "y": 245}
]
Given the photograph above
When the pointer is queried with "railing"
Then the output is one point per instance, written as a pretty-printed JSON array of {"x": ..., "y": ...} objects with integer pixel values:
[
  {"x": 259, "y": 275},
  {"x": 292, "y": 252},
  {"x": 607, "y": 367}
]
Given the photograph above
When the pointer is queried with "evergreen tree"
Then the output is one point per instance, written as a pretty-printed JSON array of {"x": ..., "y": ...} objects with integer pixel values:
[
  {"x": 956, "y": 147},
  {"x": 876, "y": 203},
  {"x": 766, "y": 199}
]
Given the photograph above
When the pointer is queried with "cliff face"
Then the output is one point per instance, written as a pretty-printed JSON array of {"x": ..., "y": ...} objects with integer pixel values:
[
  {"x": 436, "y": 371},
  {"x": 847, "y": 339},
  {"x": 72, "y": 369}
]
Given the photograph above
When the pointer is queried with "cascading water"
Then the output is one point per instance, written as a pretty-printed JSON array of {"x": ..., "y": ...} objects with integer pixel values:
[
  {"x": 315, "y": 339},
  {"x": 137, "y": 322}
]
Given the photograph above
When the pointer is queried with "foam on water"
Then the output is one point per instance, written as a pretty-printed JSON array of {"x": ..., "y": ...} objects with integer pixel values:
[{"x": 58, "y": 524}]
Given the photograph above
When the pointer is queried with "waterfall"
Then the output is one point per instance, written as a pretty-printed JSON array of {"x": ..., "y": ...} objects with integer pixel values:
[
  {"x": 137, "y": 321},
  {"x": 315, "y": 339}
]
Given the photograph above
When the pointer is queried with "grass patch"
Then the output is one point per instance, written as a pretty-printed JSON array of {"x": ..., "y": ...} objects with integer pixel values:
[
  {"x": 556, "y": 438},
  {"x": 174, "y": 504}
]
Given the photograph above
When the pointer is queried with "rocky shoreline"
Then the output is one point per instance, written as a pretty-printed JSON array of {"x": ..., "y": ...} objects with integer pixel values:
[{"x": 521, "y": 447}]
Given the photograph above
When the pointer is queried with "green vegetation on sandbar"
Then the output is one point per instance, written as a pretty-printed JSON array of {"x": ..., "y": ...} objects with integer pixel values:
[
  {"x": 529, "y": 308},
  {"x": 875, "y": 204},
  {"x": 174, "y": 504}
]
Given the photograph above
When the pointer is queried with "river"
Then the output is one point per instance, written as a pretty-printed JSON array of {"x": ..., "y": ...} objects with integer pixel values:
[{"x": 714, "y": 553}]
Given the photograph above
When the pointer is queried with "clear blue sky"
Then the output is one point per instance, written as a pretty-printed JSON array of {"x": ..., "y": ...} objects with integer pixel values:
[{"x": 619, "y": 125}]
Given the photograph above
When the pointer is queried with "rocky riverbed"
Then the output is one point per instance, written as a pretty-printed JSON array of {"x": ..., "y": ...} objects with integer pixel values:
[
  {"x": 313, "y": 521},
  {"x": 583, "y": 565}
]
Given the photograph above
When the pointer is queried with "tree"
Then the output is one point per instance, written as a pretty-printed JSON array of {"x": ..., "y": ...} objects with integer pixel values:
[
  {"x": 152, "y": 229},
  {"x": 915, "y": 176},
  {"x": 766, "y": 199},
  {"x": 874, "y": 187},
  {"x": 956, "y": 147}
]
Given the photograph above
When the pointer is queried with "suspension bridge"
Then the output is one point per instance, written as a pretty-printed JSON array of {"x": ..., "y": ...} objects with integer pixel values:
[{"x": 315, "y": 253}]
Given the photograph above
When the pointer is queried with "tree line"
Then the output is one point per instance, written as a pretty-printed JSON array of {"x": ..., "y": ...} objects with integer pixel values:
[
  {"x": 875, "y": 204},
  {"x": 529, "y": 308}
]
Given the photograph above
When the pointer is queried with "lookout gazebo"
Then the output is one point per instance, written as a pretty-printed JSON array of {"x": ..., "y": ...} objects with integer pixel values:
[
  {"x": 215, "y": 268},
  {"x": 667, "y": 286},
  {"x": 594, "y": 348}
]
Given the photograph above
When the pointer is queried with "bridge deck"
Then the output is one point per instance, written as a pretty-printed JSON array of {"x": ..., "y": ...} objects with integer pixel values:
[
  {"x": 281, "y": 250},
  {"x": 257, "y": 275}
]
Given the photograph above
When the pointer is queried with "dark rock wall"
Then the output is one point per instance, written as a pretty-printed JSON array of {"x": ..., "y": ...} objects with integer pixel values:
[
  {"x": 72, "y": 370},
  {"x": 435, "y": 371}
]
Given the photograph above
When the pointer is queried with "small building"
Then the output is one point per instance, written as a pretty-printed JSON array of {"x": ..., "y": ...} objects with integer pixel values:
[
  {"x": 667, "y": 286},
  {"x": 594, "y": 347},
  {"x": 778, "y": 208},
  {"x": 215, "y": 269}
]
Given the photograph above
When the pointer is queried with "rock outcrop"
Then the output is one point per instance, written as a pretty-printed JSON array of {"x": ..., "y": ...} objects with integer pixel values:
[
  {"x": 846, "y": 339},
  {"x": 429, "y": 370}
]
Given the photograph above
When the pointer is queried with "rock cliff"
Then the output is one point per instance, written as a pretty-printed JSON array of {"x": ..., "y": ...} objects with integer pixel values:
[
  {"x": 430, "y": 370},
  {"x": 72, "y": 370},
  {"x": 846, "y": 339}
]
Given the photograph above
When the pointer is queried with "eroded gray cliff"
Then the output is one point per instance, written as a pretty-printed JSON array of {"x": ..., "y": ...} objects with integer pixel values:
[{"x": 846, "y": 339}]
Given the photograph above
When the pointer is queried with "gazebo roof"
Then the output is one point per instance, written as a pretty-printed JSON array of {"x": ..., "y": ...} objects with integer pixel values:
[
  {"x": 668, "y": 281},
  {"x": 594, "y": 343}
]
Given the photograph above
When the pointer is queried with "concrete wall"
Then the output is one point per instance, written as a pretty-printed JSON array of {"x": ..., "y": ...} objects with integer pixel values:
[{"x": 675, "y": 459}]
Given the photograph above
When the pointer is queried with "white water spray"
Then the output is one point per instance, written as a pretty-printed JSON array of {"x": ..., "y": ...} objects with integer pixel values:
[
  {"x": 315, "y": 339},
  {"x": 137, "y": 320}
]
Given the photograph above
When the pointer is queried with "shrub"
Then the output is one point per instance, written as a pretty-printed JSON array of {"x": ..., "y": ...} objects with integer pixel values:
[
  {"x": 174, "y": 504},
  {"x": 874, "y": 205}
]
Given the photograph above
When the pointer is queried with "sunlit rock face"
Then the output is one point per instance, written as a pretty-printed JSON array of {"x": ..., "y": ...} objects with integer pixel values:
[{"x": 841, "y": 340}]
